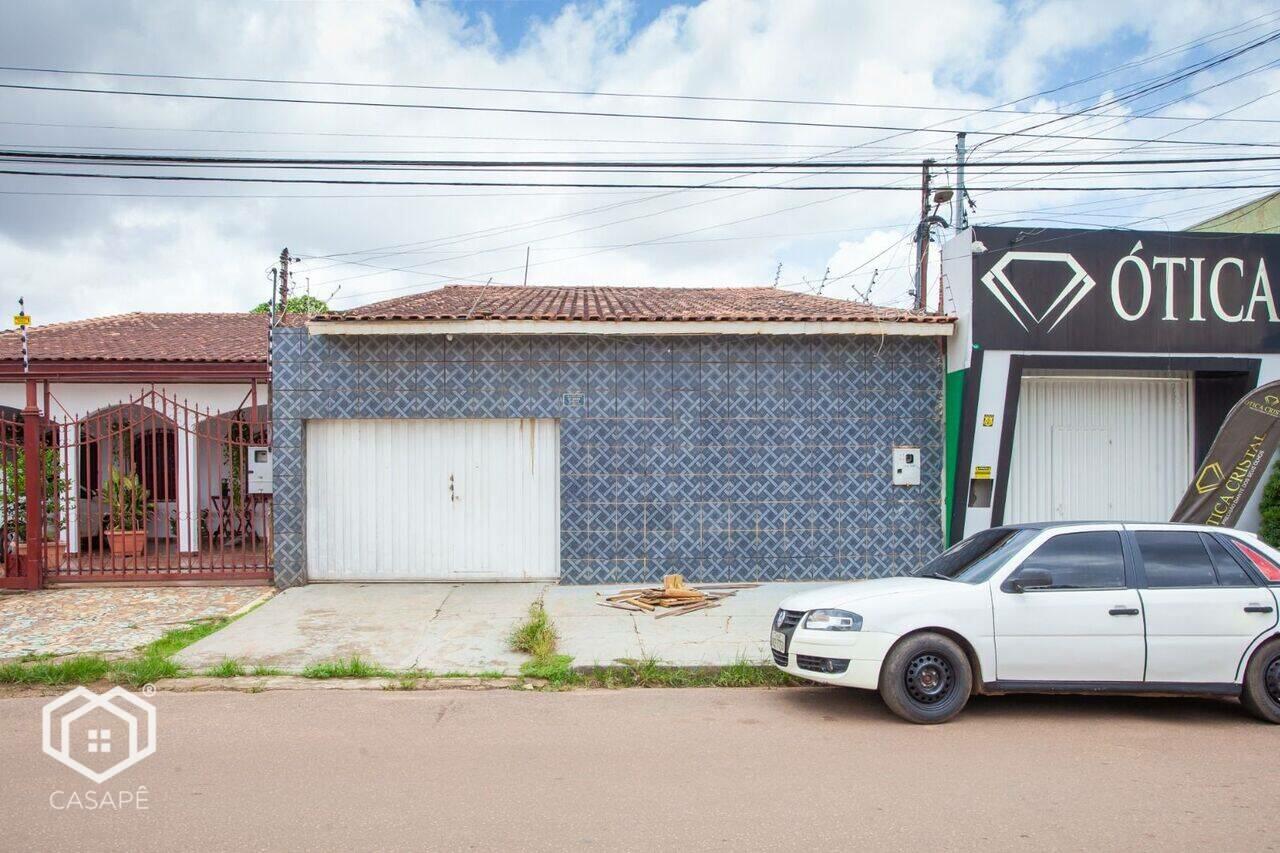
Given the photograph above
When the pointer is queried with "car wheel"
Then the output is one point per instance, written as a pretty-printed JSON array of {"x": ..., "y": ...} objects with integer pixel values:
[
  {"x": 1261, "y": 694},
  {"x": 926, "y": 678}
]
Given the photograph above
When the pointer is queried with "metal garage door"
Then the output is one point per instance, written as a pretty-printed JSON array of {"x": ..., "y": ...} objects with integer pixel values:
[
  {"x": 433, "y": 499},
  {"x": 1103, "y": 448}
]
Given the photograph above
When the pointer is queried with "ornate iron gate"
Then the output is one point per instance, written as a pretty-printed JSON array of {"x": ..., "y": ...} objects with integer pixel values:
[{"x": 151, "y": 489}]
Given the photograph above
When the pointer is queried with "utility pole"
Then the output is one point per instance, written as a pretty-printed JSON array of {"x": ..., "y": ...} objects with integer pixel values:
[
  {"x": 961, "y": 216},
  {"x": 284, "y": 282},
  {"x": 526, "y": 265},
  {"x": 922, "y": 237}
]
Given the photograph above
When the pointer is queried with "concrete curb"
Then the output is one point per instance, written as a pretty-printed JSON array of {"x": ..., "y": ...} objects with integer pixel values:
[{"x": 259, "y": 684}]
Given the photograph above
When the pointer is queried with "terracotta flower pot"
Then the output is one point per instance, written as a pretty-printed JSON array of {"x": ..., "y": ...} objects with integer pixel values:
[
  {"x": 126, "y": 543},
  {"x": 53, "y": 552}
]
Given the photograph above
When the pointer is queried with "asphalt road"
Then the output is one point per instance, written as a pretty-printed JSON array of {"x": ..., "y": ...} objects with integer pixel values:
[{"x": 694, "y": 769}]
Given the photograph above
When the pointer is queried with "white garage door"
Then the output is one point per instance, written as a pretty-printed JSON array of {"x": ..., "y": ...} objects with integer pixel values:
[
  {"x": 1102, "y": 448},
  {"x": 444, "y": 500}
]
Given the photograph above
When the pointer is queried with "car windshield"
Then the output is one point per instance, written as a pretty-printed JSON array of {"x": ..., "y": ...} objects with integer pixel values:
[{"x": 977, "y": 558}]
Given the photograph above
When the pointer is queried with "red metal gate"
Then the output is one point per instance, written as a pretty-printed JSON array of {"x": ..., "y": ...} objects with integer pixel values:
[{"x": 150, "y": 489}]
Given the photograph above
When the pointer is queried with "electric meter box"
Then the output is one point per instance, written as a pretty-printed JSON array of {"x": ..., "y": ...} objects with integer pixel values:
[
  {"x": 259, "y": 470},
  {"x": 906, "y": 466}
]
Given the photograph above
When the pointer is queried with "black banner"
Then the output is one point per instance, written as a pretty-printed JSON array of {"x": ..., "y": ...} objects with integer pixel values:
[
  {"x": 1236, "y": 462},
  {"x": 1075, "y": 290}
]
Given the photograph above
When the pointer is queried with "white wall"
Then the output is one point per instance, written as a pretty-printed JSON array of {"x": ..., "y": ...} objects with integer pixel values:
[{"x": 76, "y": 399}]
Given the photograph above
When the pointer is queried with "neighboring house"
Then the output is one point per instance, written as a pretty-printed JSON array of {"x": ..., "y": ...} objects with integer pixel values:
[
  {"x": 176, "y": 400},
  {"x": 1091, "y": 369},
  {"x": 1260, "y": 216},
  {"x": 607, "y": 435}
]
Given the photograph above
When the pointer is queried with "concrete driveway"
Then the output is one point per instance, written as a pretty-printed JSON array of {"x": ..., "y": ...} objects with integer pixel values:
[{"x": 464, "y": 627}]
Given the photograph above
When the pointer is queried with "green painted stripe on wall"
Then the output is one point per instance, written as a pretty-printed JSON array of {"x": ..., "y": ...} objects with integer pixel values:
[{"x": 954, "y": 396}]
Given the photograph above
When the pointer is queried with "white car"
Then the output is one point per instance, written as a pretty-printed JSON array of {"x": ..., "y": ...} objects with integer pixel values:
[{"x": 1042, "y": 608}]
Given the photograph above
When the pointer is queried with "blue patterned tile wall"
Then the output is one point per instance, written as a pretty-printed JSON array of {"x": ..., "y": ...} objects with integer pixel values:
[{"x": 723, "y": 458}]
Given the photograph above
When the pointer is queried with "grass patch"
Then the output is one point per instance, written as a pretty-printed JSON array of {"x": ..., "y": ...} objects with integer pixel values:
[
  {"x": 265, "y": 671},
  {"x": 486, "y": 674},
  {"x": 144, "y": 670},
  {"x": 652, "y": 672},
  {"x": 746, "y": 674},
  {"x": 352, "y": 667},
  {"x": 78, "y": 670},
  {"x": 535, "y": 636},
  {"x": 178, "y": 639},
  {"x": 229, "y": 668},
  {"x": 556, "y": 669}
]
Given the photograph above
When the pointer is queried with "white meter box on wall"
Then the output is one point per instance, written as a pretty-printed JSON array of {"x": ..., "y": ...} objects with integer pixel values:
[
  {"x": 259, "y": 470},
  {"x": 906, "y": 466}
]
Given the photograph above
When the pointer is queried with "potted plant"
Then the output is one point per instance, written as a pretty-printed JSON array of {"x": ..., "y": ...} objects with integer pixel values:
[
  {"x": 129, "y": 507},
  {"x": 58, "y": 503}
]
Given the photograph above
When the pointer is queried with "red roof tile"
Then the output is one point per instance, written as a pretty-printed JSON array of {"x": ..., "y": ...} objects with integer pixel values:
[
  {"x": 626, "y": 304},
  {"x": 194, "y": 337}
]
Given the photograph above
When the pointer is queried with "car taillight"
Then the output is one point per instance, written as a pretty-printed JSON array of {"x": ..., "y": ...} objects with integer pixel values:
[{"x": 1269, "y": 570}]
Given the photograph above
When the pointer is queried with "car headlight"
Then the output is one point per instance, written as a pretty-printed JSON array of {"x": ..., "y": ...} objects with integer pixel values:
[{"x": 833, "y": 620}]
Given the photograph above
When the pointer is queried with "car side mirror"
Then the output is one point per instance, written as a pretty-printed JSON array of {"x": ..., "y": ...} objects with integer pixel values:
[{"x": 1028, "y": 579}]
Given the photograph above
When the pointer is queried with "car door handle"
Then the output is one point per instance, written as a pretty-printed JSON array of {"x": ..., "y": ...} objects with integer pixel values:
[
  {"x": 1259, "y": 608},
  {"x": 1125, "y": 611}
]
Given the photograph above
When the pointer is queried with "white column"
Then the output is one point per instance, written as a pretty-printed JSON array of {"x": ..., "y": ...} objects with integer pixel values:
[
  {"x": 188, "y": 501},
  {"x": 70, "y": 456}
]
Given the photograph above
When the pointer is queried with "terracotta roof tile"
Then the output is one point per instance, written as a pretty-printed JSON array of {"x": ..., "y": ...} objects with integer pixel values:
[
  {"x": 192, "y": 337},
  {"x": 625, "y": 304}
]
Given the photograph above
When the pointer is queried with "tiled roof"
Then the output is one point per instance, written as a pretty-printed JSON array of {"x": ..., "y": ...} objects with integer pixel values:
[
  {"x": 625, "y": 305},
  {"x": 193, "y": 337}
]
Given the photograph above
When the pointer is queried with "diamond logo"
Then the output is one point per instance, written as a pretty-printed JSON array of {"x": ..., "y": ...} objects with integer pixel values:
[
  {"x": 1007, "y": 293},
  {"x": 1210, "y": 478}
]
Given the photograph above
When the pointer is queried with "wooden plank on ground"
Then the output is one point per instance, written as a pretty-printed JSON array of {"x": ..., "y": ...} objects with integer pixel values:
[{"x": 676, "y": 611}]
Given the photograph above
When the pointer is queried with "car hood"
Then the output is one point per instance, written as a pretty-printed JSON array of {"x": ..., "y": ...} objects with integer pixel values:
[{"x": 850, "y": 594}]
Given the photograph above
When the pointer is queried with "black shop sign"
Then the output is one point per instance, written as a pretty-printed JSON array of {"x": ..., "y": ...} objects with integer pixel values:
[{"x": 1076, "y": 290}]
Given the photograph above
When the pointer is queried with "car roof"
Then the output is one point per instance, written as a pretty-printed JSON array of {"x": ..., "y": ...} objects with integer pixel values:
[{"x": 1176, "y": 525}]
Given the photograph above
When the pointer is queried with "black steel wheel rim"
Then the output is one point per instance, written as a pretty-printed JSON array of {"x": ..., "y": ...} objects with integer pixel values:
[
  {"x": 1273, "y": 680},
  {"x": 930, "y": 678}
]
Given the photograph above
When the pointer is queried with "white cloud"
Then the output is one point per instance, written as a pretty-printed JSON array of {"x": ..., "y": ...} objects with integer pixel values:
[{"x": 79, "y": 256}]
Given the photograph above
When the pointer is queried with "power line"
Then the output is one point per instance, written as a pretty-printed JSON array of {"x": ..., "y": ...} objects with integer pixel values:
[
  {"x": 738, "y": 120},
  {"x": 786, "y": 101},
  {"x": 783, "y": 187},
  {"x": 363, "y": 163}
]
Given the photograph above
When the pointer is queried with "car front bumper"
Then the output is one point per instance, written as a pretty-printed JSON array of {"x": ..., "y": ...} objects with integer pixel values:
[{"x": 864, "y": 650}]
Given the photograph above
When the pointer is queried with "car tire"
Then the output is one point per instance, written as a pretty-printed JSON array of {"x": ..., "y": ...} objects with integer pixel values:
[
  {"x": 1261, "y": 694},
  {"x": 926, "y": 678}
]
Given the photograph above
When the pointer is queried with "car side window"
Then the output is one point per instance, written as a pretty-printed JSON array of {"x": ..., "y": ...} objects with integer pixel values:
[
  {"x": 1229, "y": 571},
  {"x": 1175, "y": 558},
  {"x": 1086, "y": 560}
]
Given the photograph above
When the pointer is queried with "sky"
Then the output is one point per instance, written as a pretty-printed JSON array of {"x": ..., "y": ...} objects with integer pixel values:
[{"x": 82, "y": 247}]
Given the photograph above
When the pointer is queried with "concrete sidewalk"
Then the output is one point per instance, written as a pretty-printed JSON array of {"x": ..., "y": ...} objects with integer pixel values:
[
  {"x": 736, "y": 630},
  {"x": 464, "y": 627}
]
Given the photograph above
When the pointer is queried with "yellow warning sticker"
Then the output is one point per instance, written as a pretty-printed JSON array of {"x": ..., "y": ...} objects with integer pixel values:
[
  {"x": 988, "y": 420},
  {"x": 22, "y": 319},
  {"x": 982, "y": 472}
]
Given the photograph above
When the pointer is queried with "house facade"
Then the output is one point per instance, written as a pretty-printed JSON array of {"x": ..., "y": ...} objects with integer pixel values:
[
  {"x": 144, "y": 424},
  {"x": 607, "y": 435}
]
